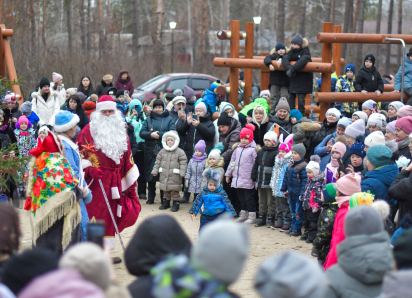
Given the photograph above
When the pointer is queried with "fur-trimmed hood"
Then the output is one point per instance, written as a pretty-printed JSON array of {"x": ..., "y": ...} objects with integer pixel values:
[
  {"x": 273, "y": 51},
  {"x": 38, "y": 95},
  {"x": 310, "y": 126},
  {"x": 173, "y": 134},
  {"x": 305, "y": 44},
  {"x": 220, "y": 163}
]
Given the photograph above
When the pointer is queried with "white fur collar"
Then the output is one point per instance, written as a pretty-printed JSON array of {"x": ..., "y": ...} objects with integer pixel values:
[{"x": 173, "y": 134}]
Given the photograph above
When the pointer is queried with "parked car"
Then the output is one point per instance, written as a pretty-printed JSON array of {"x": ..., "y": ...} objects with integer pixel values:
[{"x": 172, "y": 81}]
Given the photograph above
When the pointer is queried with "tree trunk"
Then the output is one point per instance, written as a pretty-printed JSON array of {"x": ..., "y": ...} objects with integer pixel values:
[
  {"x": 33, "y": 38},
  {"x": 89, "y": 20},
  {"x": 378, "y": 30},
  {"x": 189, "y": 32},
  {"x": 399, "y": 30},
  {"x": 356, "y": 12},
  {"x": 332, "y": 11},
  {"x": 360, "y": 22},
  {"x": 135, "y": 29},
  {"x": 227, "y": 17},
  {"x": 69, "y": 25},
  {"x": 43, "y": 37},
  {"x": 100, "y": 26},
  {"x": 347, "y": 23},
  {"x": 159, "y": 53},
  {"x": 388, "y": 52},
  {"x": 206, "y": 44},
  {"x": 83, "y": 32},
  {"x": 302, "y": 20},
  {"x": 281, "y": 21},
  {"x": 327, "y": 11},
  {"x": 196, "y": 32}
]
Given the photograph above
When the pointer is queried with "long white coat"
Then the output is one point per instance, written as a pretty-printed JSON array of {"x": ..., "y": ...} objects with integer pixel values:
[{"x": 46, "y": 111}]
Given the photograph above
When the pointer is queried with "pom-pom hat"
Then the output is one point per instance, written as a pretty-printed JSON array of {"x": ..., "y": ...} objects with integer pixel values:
[
  {"x": 212, "y": 176},
  {"x": 104, "y": 103},
  {"x": 65, "y": 121},
  {"x": 56, "y": 77},
  {"x": 247, "y": 132}
]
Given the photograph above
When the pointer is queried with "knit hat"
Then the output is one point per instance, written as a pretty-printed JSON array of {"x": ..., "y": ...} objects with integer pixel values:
[
  {"x": 299, "y": 149},
  {"x": 339, "y": 147},
  {"x": 350, "y": 67},
  {"x": 222, "y": 250},
  {"x": 297, "y": 39},
  {"x": 158, "y": 102},
  {"x": 264, "y": 92},
  {"x": 188, "y": 92},
  {"x": 402, "y": 250},
  {"x": 65, "y": 121},
  {"x": 358, "y": 149},
  {"x": 361, "y": 198},
  {"x": 313, "y": 164},
  {"x": 404, "y": 111},
  {"x": 201, "y": 146},
  {"x": 363, "y": 220},
  {"x": 362, "y": 115},
  {"x": 178, "y": 99},
  {"x": 329, "y": 193},
  {"x": 349, "y": 184},
  {"x": 396, "y": 104},
  {"x": 247, "y": 132},
  {"x": 90, "y": 261},
  {"x": 214, "y": 85},
  {"x": 250, "y": 113},
  {"x": 333, "y": 111},
  {"x": 108, "y": 77},
  {"x": 355, "y": 129},
  {"x": 279, "y": 46},
  {"x": 105, "y": 102},
  {"x": 112, "y": 91},
  {"x": 215, "y": 154},
  {"x": 391, "y": 127},
  {"x": 119, "y": 92},
  {"x": 297, "y": 114},
  {"x": 212, "y": 176},
  {"x": 286, "y": 145},
  {"x": 344, "y": 121},
  {"x": 405, "y": 124},
  {"x": 379, "y": 155},
  {"x": 21, "y": 120},
  {"x": 30, "y": 264},
  {"x": 201, "y": 106},
  {"x": 371, "y": 105},
  {"x": 56, "y": 77},
  {"x": 375, "y": 138},
  {"x": 71, "y": 91},
  {"x": 283, "y": 104},
  {"x": 369, "y": 57},
  {"x": 26, "y": 107},
  {"x": 178, "y": 92},
  {"x": 271, "y": 136},
  {"x": 377, "y": 120},
  {"x": 224, "y": 119},
  {"x": 44, "y": 82},
  {"x": 290, "y": 274}
]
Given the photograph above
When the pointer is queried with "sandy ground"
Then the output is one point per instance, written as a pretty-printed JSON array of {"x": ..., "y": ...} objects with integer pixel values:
[{"x": 263, "y": 243}]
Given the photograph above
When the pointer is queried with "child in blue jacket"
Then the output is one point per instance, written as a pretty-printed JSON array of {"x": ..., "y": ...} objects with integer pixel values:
[
  {"x": 294, "y": 185},
  {"x": 210, "y": 98},
  {"x": 212, "y": 200}
]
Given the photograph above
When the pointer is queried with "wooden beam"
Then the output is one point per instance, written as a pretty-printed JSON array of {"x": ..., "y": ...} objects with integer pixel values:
[
  {"x": 11, "y": 69},
  {"x": 342, "y": 61},
  {"x": 330, "y": 97},
  {"x": 326, "y": 37}
]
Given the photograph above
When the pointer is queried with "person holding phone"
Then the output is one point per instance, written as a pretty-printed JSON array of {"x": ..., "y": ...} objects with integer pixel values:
[{"x": 332, "y": 168}]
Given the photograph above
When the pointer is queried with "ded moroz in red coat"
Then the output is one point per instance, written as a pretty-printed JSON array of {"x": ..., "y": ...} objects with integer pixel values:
[{"x": 118, "y": 181}]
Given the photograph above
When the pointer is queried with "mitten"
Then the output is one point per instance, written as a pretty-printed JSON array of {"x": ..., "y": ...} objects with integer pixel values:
[
  {"x": 289, "y": 73},
  {"x": 94, "y": 173}
]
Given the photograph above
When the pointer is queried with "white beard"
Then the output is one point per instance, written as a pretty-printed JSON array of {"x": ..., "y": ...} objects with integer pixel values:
[{"x": 109, "y": 134}]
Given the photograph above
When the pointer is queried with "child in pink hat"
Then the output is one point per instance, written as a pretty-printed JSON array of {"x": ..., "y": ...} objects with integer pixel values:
[
  {"x": 25, "y": 136},
  {"x": 331, "y": 170},
  {"x": 345, "y": 188}
]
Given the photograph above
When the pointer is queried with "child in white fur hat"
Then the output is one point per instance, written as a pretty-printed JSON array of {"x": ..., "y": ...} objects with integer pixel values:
[
  {"x": 215, "y": 162},
  {"x": 311, "y": 199}
]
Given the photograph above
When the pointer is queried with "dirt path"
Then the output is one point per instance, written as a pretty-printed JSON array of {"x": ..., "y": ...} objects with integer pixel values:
[{"x": 263, "y": 243}]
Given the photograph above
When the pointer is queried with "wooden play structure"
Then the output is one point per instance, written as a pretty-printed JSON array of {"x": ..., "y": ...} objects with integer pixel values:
[
  {"x": 331, "y": 61},
  {"x": 6, "y": 60}
]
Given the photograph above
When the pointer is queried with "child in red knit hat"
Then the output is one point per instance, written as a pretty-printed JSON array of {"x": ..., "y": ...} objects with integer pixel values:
[{"x": 240, "y": 170}]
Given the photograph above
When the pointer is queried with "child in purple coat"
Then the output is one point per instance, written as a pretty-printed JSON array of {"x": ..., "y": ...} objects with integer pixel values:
[
  {"x": 195, "y": 168},
  {"x": 240, "y": 170}
]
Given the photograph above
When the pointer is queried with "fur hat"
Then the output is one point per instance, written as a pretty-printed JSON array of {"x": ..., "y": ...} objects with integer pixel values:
[
  {"x": 379, "y": 155},
  {"x": 247, "y": 132},
  {"x": 313, "y": 164},
  {"x": 283, "y": 104},
  {"x": 371, "y": 105},
  {"x": 171, "y": 134},
  {"x": 377, "y": 120},
  {"x": 299, "y": 149},
  {"x": 271, "y": 136},
  {"x": 286, "y": 145},
  {"x": 355, "y": 129},
  {"x": 212, "y": 176},
  {"x": 56, "y": 77},
  {"x": 333, "y": 111},
  {"x": 375, "y": 138}
]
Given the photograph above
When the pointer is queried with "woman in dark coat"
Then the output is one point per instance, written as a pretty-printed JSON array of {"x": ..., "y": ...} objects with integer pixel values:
[
  {"x": 124, "y": 82},
  {"x": 154, "y": 240},
  {"x": 86, "y": 86},
  {"x": 152, "y": 131}
]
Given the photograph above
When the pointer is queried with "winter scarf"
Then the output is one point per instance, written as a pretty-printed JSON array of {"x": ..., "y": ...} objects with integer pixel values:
[
  {"x": 278, "y": 173},
  {"x": 199, "y": 158}
]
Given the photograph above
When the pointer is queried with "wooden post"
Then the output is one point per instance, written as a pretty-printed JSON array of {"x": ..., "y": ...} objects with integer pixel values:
[
  {"x": 265, "y": 78},
  {"x": 337, "y": 51},
  {"x": 8, "y": 57},
  {"x": 2, "y": 64},
  {"x": 250, "y": 29},
  {"x": 326, "y": 78},
  {"x": 234, "y": 72}
]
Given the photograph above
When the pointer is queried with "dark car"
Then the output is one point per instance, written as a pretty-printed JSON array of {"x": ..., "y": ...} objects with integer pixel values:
[{"x": 172, "y": 81}]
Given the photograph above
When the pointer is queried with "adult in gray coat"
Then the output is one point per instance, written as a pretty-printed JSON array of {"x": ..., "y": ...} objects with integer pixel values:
[{"x": 364, "y": 257}]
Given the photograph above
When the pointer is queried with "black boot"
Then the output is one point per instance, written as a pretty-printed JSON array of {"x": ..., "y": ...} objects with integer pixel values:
[
  {"x": 262, "y": 220},
  {"x": 142, "y": 196},
  {"x": 271, "y": 221},
  {"x": 165, "y": 205},
  {"x": 186, "y": 198},
  {"x": 150, "y": 201},
  {"x": 175, "y": 206}
]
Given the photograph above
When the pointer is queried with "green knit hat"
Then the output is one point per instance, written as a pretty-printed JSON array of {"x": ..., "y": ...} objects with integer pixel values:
[{"x": 329, "y": 193}]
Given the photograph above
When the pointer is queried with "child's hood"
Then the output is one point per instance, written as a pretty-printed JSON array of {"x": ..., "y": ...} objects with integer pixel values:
[
  {"x": 135, "y": 102},
  {"x": 273, "y": 51},
  {"x": 219, "y": 164},
  {"x": 170, "y": 134}
]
